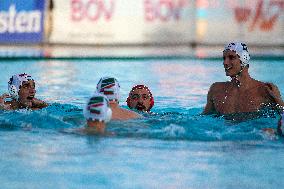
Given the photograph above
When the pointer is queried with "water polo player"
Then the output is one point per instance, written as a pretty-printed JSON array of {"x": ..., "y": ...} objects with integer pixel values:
[
  {"x": 22, "y": 91},
  {"x": 242, "y": 94},
  {"x": 97, "y": 113},
  {"x": 110, "y": 87},
  {"x": 140, "y": 98}
]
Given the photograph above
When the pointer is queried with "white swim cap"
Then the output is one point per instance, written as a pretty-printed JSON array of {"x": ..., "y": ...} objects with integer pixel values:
[
  {"x": 241, "y": 49},
  {"x": 98, "y": 109},
  {"x": 16, "y": 82},
  {"x": 109, "y": 86}
]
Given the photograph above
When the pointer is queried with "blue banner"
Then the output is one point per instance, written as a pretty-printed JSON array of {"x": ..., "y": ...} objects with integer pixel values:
[{"x": 21, "y": 21}]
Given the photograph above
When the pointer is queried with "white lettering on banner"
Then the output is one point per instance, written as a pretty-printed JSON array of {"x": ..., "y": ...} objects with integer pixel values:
[
  {"x": 164, "y": 10},
  {"x": 19, "y": 22},
  {"x": 91, "y": 10}
]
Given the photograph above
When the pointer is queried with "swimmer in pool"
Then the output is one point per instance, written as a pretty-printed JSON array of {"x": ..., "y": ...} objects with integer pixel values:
[
  {"x": 22, "y": 93},
  {"x": 110, "y": 87},
  {"x": 242, "y": 94},
  {"x": 97, "y": 113},
  {"x": 140, "y": 98}
]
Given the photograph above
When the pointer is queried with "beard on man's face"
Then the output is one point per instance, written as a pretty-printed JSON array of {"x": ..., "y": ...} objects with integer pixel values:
[{"x": 139, "y": 106}]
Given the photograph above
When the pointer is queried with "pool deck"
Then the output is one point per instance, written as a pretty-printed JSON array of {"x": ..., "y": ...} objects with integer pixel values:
[{"x": 12, "y": 52}]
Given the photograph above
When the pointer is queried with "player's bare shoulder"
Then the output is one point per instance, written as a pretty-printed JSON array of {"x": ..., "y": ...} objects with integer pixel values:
[
  {"x": 260, "y": 88},
  {"x": 130, "y": 114},
  {"x": 218, "y": 87}
]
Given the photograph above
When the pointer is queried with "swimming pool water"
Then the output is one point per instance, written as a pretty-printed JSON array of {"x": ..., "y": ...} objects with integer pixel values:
[{"x": 176, "y": 148}]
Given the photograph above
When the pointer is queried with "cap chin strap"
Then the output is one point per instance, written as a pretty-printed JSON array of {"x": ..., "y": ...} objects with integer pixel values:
[{"x": 235, "y": 78}]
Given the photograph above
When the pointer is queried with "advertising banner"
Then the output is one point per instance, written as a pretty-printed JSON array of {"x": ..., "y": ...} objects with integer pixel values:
[
  {"x": 253, "y": 21},
  {"x": 21, "y": 21},
  {"x": 169, "y": 21},
  {"x": 123, "y": 21}
]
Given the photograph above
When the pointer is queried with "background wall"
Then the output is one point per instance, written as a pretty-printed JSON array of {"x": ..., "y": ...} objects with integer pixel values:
[{"x": 95, "y": 22}]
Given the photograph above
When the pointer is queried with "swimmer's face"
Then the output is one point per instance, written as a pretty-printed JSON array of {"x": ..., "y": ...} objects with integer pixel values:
[
  {"x": 140, "y": 99},
  {"x": 27, "y": 90},
  {"x": 231, "y": 62},
  {"x": 96, "y": 126}
]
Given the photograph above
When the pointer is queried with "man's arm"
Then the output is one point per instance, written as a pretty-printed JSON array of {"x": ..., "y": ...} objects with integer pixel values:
[
  {"x": 209, "y": 107},
  {"x": 275, "y": 95}
]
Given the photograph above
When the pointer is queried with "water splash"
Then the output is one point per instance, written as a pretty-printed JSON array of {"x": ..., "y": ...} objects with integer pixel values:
[{"x": 189, "y": 125}]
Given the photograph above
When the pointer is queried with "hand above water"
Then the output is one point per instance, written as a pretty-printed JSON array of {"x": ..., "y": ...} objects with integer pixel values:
[{"x": 2, "y": 101}]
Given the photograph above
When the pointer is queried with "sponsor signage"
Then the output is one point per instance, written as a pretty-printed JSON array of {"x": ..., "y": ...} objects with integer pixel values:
[
  {"x": 253, "y": 21},
  {"x": 21, "y": 21},
  {"x": 123, "y": 21}
]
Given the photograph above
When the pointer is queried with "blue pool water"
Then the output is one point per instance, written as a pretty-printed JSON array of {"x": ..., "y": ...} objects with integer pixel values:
[{"x": 177, "y": 148}]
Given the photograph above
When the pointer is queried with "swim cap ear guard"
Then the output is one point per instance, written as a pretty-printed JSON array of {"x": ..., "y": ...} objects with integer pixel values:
[
  {"x": 110, "y": 87},
  {"x": 140, "y": 87},
  {"x": 98, "y": 109},
  {"x": 13, "y": 91},
  {"x": 241, "y": 49},
  {"x": 16, "y": 82}
]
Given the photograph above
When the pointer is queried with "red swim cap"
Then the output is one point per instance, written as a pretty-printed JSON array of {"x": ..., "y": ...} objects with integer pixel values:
[{"x": 141, "y": 87}]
